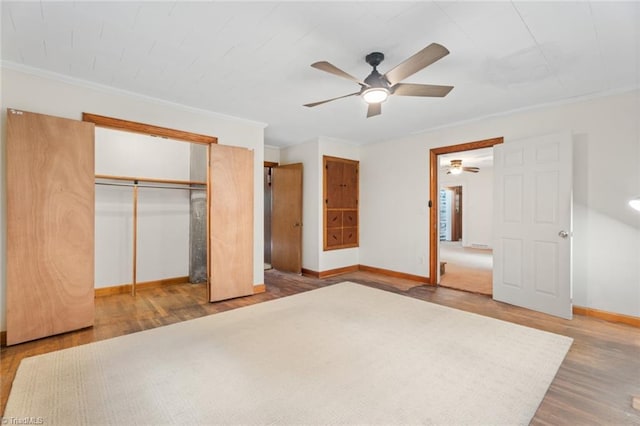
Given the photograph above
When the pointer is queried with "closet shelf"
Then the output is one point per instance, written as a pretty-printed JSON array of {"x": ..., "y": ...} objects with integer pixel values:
[{"x": 154, "y": 180}]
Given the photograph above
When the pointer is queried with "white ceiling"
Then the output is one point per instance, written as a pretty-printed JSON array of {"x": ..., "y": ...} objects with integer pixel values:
[
  {"x": 251, "y": 59},
  {"x": 482, "y": 158}
]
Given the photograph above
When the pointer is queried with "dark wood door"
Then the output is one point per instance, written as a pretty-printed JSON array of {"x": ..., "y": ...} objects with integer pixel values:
[
  {"x": 50, "y": 225},
  {"x": 286, "y": 218},
  {"x": 456, "y": 213}
]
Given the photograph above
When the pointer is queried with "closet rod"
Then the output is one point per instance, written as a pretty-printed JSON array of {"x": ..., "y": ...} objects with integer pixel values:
[
  {"x": 131, "y": 185},
  {"x": 154, "y": 180}
]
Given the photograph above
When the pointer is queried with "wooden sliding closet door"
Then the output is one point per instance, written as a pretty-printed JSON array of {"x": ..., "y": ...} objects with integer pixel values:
[
  {"x": 50, "y": 225},
  {"x": 230, "y": 222}
]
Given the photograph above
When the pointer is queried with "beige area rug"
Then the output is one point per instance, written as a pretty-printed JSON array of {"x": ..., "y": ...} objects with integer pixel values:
[{"x": 343, "y": 354}]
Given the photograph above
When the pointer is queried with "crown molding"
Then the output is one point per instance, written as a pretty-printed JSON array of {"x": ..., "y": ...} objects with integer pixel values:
[
  {"x": 38, "y": 72},
  {"x": 569, "y": 101}
]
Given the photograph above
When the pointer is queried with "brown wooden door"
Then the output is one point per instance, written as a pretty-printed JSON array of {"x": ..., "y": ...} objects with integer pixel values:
[
  {"x": 456, "y": 213},
  {"x": 286, "y": 218},
  {"x": 50, "y": 225},
  {"x": 230, "y": 222}
]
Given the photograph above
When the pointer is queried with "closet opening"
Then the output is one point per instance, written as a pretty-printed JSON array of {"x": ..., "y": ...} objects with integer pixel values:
[{"x": 151, "y": 208}]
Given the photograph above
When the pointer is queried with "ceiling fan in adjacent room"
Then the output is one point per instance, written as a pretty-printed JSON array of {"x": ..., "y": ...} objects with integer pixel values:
[
  {"x": 376, "y": 88},
  {"x": 456, "y": 168}
]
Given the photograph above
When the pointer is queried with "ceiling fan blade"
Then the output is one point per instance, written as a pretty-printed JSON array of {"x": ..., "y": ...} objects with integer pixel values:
[
  {"x": 471, "y": 169},
  {"x": 332, "y": 69},
  {"x": 312, "y": 104},
  {"x": 432, "y": 90},
  {"x": 374, "y": 109},
  {"x": 420, "y": 60}
]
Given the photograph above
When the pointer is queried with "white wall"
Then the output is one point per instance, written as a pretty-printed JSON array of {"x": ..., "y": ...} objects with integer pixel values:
[
  {"x": 310, "y": 155},
  {"x": 163, "y": 234},
  {"x": 394, "y": 192},
  {"x": 55, "y": 95},
  {"x": 163, "y": 214},
  {"x": 606, "y": 240},
  {"x": 272, "y": 154},
  {"x": 113, "y": 236},
  {"x": 307, "y": 154},
  {"x": 122, "y": 153},
  {"x": 477, "y": 205}
]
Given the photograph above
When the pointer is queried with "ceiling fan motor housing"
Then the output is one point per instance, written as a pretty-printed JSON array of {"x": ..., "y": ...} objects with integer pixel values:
[
  {"x": 375, "y": 79},
  {"x": 374, "y": 59}
]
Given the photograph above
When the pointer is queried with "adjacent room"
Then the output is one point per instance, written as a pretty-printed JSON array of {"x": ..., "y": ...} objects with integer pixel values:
[
  {"x": 320, "y": 212},
  {"x": 465, "y": 206}
]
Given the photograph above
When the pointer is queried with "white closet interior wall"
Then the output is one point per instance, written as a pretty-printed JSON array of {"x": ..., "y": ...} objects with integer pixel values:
[{"x": 163, "y": 214}]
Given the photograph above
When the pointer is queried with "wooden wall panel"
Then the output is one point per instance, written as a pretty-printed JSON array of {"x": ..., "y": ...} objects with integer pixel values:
[
  {"x": 334, "y": 172},
  {"x": 50, "y": 225},
  {"x": 350, "y": 218},
  {"x": 340, "y": 204},
  {"x": 333, "y": 218},
  {"x": 230, "y": 222},
  {"x": 350, "y": 186}
]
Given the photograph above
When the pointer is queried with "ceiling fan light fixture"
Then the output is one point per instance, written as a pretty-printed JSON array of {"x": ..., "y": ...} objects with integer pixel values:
[
  {"x": 635, "y": 203},
  {"x": 456, "y": 167},
  {"x": 375, "y": 95}
]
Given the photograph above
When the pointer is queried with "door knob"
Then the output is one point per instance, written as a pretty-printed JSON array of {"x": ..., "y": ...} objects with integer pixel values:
[{"x": 563, "y": 234}]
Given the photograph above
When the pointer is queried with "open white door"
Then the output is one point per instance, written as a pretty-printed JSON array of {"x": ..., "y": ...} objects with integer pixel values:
[{"x": 532, "y": 223}]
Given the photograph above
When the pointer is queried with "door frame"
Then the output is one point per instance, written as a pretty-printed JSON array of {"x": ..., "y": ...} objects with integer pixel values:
[
  {"x": 433, "y": 195},
  {"x": 164, "y": 132}
]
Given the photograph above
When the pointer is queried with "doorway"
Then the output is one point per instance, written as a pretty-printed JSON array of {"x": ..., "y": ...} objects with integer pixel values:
[
  {"x": 460, "y": 239},
  {"x": 268, "y": 166},
  {"x": 451, "y": 213},
  {"x": 283, "y": 217}
]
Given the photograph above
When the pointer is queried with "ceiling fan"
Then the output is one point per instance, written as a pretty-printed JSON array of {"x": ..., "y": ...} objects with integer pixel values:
[
  {"x": 456, "y": 168},
  {"x": 376, "y": 88}
]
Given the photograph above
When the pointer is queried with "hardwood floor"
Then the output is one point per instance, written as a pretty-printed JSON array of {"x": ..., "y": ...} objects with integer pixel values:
[
  {"x": 466, "y": 268},
  {"x": 464, "y": 278},
  {"x": 594, "y": 385}
]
